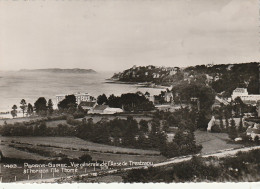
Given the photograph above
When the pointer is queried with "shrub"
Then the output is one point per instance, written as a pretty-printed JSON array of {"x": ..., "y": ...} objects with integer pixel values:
[
  {"x": 246, "y": 138},
  {"x": 256, "y": 139},
  {"x": 85, "y": 158},
  {"x": 78, "y": 115},
  {"x": 215, "y": 129}
]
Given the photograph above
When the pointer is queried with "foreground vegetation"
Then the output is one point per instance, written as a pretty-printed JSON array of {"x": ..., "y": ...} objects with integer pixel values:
[
  {"x": 128, "y": 132},
  {"x": 243, "y": 167}
]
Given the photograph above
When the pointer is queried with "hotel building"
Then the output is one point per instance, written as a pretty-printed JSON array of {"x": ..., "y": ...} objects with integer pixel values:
[{"x": 86, "y": 97}]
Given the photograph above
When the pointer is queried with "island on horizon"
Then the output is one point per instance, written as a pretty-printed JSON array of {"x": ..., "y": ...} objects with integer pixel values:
[{"x": 60, "y": 70}]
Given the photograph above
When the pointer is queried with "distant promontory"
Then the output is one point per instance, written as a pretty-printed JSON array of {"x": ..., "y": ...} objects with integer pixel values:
[
  {"x": 59, "y": 70},
  {"x": 222, "y": 78}
]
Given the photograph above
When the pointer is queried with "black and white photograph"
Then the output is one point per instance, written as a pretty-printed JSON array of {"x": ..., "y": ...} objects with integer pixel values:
[{"x": 129, "y": 91}]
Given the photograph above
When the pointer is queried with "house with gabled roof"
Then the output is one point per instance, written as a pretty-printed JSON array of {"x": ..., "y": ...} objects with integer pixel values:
[
  {"x": 242, "y": 93},
  {"x": 253, "y": 131},
  {"x": 87, "y": 105},
  {"x": 98, "y": 109},
  {"x": 104, "y": 109},
  {"x": 218, "y": 101}
]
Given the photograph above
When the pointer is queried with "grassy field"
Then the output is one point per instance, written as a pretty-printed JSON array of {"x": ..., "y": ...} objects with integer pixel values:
[
  {"x": 71, "y": 147},
  {"x": 76, "y": 143},
  {"x": 213, "y": 142},
  {"x": 54, "y": 123},
  {"x": 12, "y": 121},
  {"x": 14, "y": 153}
]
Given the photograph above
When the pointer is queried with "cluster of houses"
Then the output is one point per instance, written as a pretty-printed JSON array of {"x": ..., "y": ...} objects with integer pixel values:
[
  {"x": 89, "y": 104},
  {"x": 253, "y": 129},
  {"x": 209, "y": 79},
  {"x": 161, "y": 71},
  {"x": 167, "y": 97},
  {"x": 244, "y": 96}
]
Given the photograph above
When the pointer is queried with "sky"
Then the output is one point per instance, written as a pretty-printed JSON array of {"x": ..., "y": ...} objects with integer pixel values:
[{"x": 113, "y": 35}]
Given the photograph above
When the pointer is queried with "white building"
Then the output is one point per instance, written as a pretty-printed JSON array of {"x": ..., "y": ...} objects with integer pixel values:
[
  {"x": 253, "y": 131},
  {"x": 156, "y": 75},
  {"x": 215, "y": 121},
  {"x": 79, "y": 97},
  {"x": 245, "y": 97},
  {"x": 168, "y": 97},
  {"x": 113, "y": 110},
  {"x": 104, "y": 109},
  {"x": 87, "y": 105},
  {"x": 173, "y": 72}
]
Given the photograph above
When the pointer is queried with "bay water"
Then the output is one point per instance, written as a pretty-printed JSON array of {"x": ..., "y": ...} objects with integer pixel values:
[{"x": 17, "y": 85}]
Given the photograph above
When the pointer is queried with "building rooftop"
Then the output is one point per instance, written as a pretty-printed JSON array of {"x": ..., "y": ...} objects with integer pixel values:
[
  {"x": 220, "y": 100},
  {"x": 79, "y": 93},
  {"x": 84, "y": 103},
  {"x": 113, "y": 109},
  {"x": 240, "y": 90},
  {"x": 76, "y": 94},
  {"x": 100, "y": 107},
  {"x": 61, "y": 94},
  {"x": 252, "y": 130}
]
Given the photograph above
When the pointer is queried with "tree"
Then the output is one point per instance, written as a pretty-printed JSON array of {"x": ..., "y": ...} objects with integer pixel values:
[
  {"x": 68, "y": 103},
  {"x": 241, "y": 127},
  {"x": 136, "y": 102},
  {"x": 29, "y": 109},
  {"x": 205, "y": 95},
  {"x": 23, "y": 105},
  {"x": 85, "y": 158},
  {"x": 221, "y": 124},
  {"x": 183, "y": 143},
  {"x": 114, "y": 101},
  {"x": 128, "y": 102},
  {"x": 201, "y": 96},
  {"x": 216, "y": 129},
  {"x": 43, "y": 129},
  {"x": 41, "y": 106},
  {"x": 238, "y": 106},
  {"x": 256, "y": 139},
  {"x": 50, "y": 107},
  {"x": 143, "y": 125},
  {"x": 228, "y": 114},
  {"x": 202, "y": 120},
  {"x": 232, "y": 133},
  {"x": 72, "y": 109},
  {"x": 14, "y": 111},
  {"x": 147, "y": 93},
  {"x": 102, "y": 99},
  {"x": 141, "y": 139}
]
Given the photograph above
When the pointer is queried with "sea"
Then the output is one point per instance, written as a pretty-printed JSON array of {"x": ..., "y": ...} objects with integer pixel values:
[{"x": 17, "y": 85}]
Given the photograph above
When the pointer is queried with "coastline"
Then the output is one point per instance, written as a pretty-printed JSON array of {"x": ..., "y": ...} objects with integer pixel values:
[
  {"x": 104, "y": 86},
  {"x": 139, "y": 84}
]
